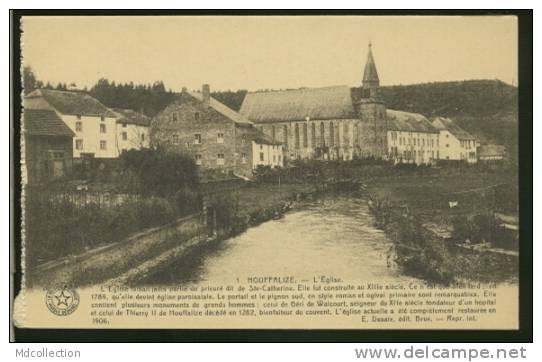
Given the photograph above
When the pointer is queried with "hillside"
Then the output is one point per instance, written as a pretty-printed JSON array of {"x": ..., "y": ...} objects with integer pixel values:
[{"x": 486, "y": 108}]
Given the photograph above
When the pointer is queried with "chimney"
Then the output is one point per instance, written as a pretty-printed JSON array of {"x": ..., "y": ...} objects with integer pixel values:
[
  {"x": 206, "y": 94},
  {"x": 184, "y": 90}
]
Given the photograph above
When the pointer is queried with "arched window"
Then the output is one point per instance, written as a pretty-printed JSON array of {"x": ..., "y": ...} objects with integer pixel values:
[
  {"x": 313, "y": 135},
  {"x": 305, "y": 135},
  {"x": 331, "y": 134},
  {"x": 356, "y": 135},
  {"x": 337, "y": 136},
  {"x": 296, "y": 135},
  {"x": 346, "y": 131},
  {"x": 322, "y": 134},
  {"x": 285, "y": 134}
]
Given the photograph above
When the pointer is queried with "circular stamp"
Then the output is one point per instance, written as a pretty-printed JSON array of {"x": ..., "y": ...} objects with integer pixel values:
[{"x": 62, "y": 301}]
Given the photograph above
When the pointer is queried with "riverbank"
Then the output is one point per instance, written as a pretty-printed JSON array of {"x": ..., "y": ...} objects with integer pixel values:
[
  {"x": 145, "y": 252},
  {"x": 444, "y": 228}
]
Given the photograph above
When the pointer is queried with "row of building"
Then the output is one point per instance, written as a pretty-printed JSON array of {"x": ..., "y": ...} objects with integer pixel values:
[{"x": 329, "y": 123}]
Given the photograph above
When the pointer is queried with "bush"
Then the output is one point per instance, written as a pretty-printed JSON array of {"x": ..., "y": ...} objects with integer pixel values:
[
  {"x": 56, "y": 229},
  {"x": 159, "y": 172}
]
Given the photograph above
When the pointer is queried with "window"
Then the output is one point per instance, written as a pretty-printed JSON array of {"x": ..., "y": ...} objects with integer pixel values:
[
  {"x": 261, "y": 156},
  {"x": 198, "y": 159},
  {"x": 322, "y": 134},
  {"x": 220, "y": 159},
  {"x": 124, "y": 125},
  {"x": 78, "y": 116},
  {"x": 143, "y": 136},
  {"x": 174, "y": 117},
  {"x": 414, "y": 140},
  {"x": 274, "y": 159},
  {"x": 261, "y": 147},
  {"x": 102, "y": 128},
  {"x": 102, "y": 118},
  {"x": 220, "y": 138},
  {"x": 305, "y": 140},
  {"x": 175, "y": 139},
  {"x": 103, "y": 145},
  {"x": 447, "y": 135},
  {"x": 79, "y": 126},
  {"x": 331, "y": 134},
  {"x": 280, "y": 157},
  {"x": 197, "y": 139},
  {"x": 447, "y": 145},
  {"x": 196, "y": 116},
  {"x": 285, "y": 134},
  {"x": 78, "y": 144},
  {"x": 296, "y": 135},
  {"x": 243, "y": 158},
  {"x": 124, "y": 136}
]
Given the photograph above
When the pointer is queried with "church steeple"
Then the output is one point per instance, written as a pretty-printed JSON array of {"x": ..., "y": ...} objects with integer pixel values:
[{"x": 370, "y": 81}]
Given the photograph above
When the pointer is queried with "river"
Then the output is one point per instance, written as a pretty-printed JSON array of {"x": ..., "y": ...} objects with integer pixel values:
[{"x": 333, "y": 236}]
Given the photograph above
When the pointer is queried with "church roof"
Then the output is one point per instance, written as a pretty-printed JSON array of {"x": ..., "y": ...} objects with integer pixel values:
[
  {"x": 72, "y": 102},
  {"x": 370, "y": 75},
  {"x": 296, "y": 105},
  {"x": 442, "y": 123},
  {"x": 408, "y": 122}
]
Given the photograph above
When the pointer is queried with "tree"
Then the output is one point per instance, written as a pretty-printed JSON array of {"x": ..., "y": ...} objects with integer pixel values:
[{"x": 30, "y": 82}]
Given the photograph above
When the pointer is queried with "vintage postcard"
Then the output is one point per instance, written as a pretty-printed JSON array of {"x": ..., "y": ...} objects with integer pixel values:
[{"x": 284, "y": 172}]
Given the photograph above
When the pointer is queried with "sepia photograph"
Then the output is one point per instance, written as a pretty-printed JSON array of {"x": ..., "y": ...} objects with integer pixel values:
[{"x": 257, "y": 172}]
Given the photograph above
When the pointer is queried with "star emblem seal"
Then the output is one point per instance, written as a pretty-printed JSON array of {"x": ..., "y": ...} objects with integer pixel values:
[{"x": 62, "y": 301}]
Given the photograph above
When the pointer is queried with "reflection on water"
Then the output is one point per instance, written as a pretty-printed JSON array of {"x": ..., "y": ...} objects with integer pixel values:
[{"x": 332, "y": 237}]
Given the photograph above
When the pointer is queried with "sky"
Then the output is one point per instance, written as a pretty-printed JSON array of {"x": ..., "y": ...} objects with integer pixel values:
[{"x": 269, "y": 52}]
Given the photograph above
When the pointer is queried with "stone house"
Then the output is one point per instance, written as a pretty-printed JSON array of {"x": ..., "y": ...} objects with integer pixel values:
[
  {"x": 215, "y": 135},
  {"x": 47, "y": 151},
  {"x": 411, "y": 138},
  {"x": 324, "y": 123},
  {"x": 455, "y": 143}
]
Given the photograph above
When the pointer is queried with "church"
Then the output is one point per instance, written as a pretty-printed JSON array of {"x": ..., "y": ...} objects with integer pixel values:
[{"x": 327, "y": 123}]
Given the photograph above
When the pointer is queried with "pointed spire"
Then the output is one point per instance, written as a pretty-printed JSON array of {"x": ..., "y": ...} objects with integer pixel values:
[{"x": 370, "y": 75}]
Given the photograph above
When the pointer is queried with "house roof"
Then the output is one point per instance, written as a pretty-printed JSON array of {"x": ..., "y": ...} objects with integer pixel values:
[
  {"x": 44, "y": 122},
  {"x": 252, "y": 133},
  {"x": 222, "y": 109},
  {"x": 370, "y": 75},
  {"x": 491, "y": 151},
  {"x": 72, "y": 102},
  {"x": 296, "y": 105},
  {"x": 408, "y": 122},
  {"x": 130, "y": 116},
  {"x": 442, "y": 123}
]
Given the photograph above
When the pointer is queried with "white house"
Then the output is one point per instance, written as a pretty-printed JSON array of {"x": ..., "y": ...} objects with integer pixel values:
[
  {"x": 94, "y": 125},
  {"x": 266, "y": 153},
  {"x": 411, "y": 138},
  {"x": 132, "y": 130},
  {"x": 455, "y": 143}
]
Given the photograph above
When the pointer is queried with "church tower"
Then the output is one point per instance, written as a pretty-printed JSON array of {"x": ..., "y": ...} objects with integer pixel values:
[
  {"x": 370, "y": 82},
  {"x": 372, "y": 112}
]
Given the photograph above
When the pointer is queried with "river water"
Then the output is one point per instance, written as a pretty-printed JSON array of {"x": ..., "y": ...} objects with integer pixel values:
[{"x": 333, "y": 236}]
